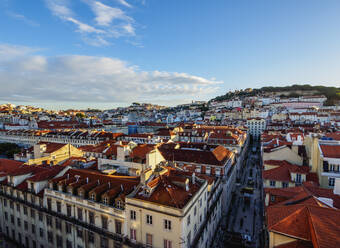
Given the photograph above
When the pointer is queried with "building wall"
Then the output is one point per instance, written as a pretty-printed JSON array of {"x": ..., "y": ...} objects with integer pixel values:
[
  {"x": 277, "y": 239},
  {"x": 283, "y": 154}
]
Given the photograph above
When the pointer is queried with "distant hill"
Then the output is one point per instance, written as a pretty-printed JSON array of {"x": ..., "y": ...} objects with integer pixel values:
[{"x": 332, "y": 93}]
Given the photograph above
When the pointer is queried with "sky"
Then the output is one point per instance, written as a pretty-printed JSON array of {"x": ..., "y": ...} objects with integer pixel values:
[{"x": 107, "y": 53}]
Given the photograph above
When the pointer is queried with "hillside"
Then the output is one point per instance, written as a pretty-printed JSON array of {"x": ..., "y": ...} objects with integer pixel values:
[{"x": 332, "y": 93}]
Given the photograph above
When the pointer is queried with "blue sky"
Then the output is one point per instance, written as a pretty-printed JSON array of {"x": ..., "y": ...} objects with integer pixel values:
[{"x": 107, "y": 53}]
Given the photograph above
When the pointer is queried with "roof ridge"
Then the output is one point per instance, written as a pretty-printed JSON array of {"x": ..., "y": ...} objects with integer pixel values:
[{"x": 290, "y": 215}]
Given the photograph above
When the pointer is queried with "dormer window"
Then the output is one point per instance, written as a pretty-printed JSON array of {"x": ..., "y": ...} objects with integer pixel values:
[
  {"x": 105, "y": 200},
  {"x": 119, "y": 204},
  {"x": 93, "y": 197}
]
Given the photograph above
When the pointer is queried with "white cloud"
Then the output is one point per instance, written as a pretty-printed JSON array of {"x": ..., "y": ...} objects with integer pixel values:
[
  {"x": 109, "y": 22},
  {"x": 125, "y": 3},
  {"x": 75, "y": 78},
  {"x": 83, "y": 27},
  {"x": 22, "y": 18},
  {"x": 106, "y": 14}
]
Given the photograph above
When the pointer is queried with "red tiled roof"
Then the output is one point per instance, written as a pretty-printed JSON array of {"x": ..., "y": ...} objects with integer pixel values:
[
  {"x": 330, "y": 151},
  {"x": 305, "y": 222},
  {"x": 218, "y": 156},
  {"x": 283, "y": 171},
  {"x": 140, "y": 151},
  {"x": 51, "y": 147},
  {"x": 46, "y": 174}
]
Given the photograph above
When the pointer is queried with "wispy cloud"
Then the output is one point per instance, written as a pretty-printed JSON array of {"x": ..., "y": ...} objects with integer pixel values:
[
  {"x": 91, "y": 79},
  {"x": 109, "y": 22},
  {"x": 106, "y": 14},
  {"x": 22, "y": 18},
  {"x": 125, "y": 3}
]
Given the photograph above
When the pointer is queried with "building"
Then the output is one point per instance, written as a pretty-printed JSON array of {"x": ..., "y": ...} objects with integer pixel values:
[
  {"x": 256, "y": 126},
  {"x": 175, "y": 209}
]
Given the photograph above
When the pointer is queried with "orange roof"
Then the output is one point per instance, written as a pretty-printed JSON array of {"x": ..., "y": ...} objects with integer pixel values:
[
  {"x": 330, "y": 151},
  {"x": 51, "y": 147},
  {"x": 305, "y": 222}
]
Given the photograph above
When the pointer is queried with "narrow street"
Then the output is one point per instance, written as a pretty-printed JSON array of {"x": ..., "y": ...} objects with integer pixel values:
[{"x": 243, "y": 224}]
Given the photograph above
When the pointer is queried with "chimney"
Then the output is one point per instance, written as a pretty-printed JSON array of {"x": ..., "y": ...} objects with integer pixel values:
[
  {"x": 193, "y": 178},
  {"x": 121, "y": 187},
  {"x": 87, "y": 180}
]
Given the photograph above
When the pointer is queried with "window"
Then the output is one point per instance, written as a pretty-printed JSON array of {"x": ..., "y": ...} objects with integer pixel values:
[
  {"x": 59, "y": 241},
  {"x": 5, "y": 202},
  {"x": 149, "y": 240},
  {"x": 11, "y": 204},
  {"x": 25, "y": 210},
  {"x": 58, "y": 224},
  {"x": 50, "y": 237},
  {"x": 167, "y": 224},
  {"x": 167, "y": 243},
  {"x": 189, "y": 239},
  {"x": 105, "y": 201},
  {"x": 104, "y": 243},
  {"x": 104, "y": 222},
  {"x": 93, "y": 197},
  {"x": 68, "y": 209},
  {"x": 195, "y": 211},
  {"x": 272, "y": 198},
  {"x": 49, "y": 204},
  {"x": 6, "y": 216},
  {"x": 133, "y": 234},
  {"x": 331, "y": 181},
  {"x": 68, "y": 244},
  {"x": 68, "y": 227},
  {"x": 80, "y": 214},
  {"x": 149, "y": 219},
  {"x": 58, "y": 207},
  {"x": 91, "y": 237},
  {"x": 118, "y": 225},
  {"x": 34, "y": 244},
  {"x": 132, "y": 215},
  {"x": 26, "y": 225},
  {"x": 49, "y": 220},
  {"x": 298, "y": 178},
  {"x": 19, "y": 222},
  {"x": 33, "y": 228},
  {"x": 12, "y": 218},
  {"x": 119, "y": 204},
  {"x": 79, "y": 233},
  {"x": 32, "y": 213},
  {"x": 18, "y": 207},
  {"x": 272, "y": 183},
  {"x": 91, "y": 218},
  {"x": 41, "y": 232},
  {"x": 284, "y": 184},
  {"x": 188, "y": 220},
  {"x": 41, "y": 217}
]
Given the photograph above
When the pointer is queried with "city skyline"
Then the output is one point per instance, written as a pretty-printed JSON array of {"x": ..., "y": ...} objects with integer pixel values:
[{"x": 104, "y": 54}]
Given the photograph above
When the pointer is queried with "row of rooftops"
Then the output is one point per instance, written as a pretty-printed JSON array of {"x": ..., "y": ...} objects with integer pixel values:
[
  {"x": 70, "y": 134},
  {"x": 171, "y": 187}
]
